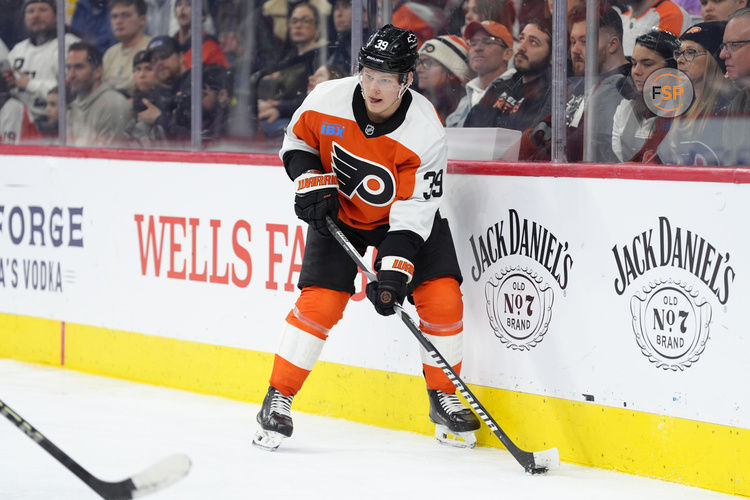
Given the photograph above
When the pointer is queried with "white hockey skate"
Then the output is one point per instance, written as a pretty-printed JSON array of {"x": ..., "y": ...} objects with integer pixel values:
[
  {"x": 454, "y": 423},
  {"x": 275, "y": 420}
]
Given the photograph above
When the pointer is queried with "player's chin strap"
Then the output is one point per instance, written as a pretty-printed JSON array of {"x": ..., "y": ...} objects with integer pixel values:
[
  {"x": 403, "y": 87},
  {"x": 534, "y": 463}
]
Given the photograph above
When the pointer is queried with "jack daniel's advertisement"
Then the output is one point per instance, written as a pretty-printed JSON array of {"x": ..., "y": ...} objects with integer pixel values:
[
  {"x": 522, "y": 263},
  {"x": 678, "y": 273}
]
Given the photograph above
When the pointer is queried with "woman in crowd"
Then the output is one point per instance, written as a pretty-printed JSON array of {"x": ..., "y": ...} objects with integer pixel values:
[
  {"x": 633, "y": 122},
  {"x": 283, "y": 90},
  {"x": 442, "y": 72},
  {"x": 690, "y": 138}
]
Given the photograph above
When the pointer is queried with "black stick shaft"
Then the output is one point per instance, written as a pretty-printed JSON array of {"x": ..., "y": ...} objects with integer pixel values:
[
  {"x": 525, "y": 458},
  {"x": 122, "y": 490}
]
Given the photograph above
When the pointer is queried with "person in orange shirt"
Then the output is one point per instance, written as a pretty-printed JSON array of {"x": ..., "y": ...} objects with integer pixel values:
[
  {"x": 212, "y": 51},
  {"x": 371, "y": 153}
]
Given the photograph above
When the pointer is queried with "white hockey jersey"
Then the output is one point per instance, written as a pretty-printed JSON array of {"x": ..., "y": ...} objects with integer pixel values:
[
  {"x": 15, "y": 124},
  {"x": 388, "y": 173},
  {"x": 40, "y": 62}
]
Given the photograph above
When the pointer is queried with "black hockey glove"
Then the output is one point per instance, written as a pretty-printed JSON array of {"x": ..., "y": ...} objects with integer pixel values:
[
  {"x": 317, "y": 196},
  {"x": 391, "y": 287}
]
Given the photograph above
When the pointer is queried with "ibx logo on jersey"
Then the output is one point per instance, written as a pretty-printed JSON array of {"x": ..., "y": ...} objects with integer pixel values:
[
  {"x": 373, "y": 183},
  {"x": 332, "y": 129}
]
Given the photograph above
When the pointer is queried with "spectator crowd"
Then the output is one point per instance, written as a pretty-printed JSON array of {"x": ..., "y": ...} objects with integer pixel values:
[{"x": 482, "y": 63}]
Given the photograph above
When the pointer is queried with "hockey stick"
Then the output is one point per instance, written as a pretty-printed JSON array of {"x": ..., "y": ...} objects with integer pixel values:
[
  {"x": 533, "y": 462},
  {"x": 156, "y": 477}
]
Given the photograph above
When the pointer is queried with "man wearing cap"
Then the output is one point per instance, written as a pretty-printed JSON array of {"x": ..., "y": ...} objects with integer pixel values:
[
  {"x": 149, "y": 99},
  {"x": 524, "y": 99},
  {"x": 490, "y": 48},
  {"x": 172, "y": 75},
  {"x": 442, "y": 71},
  {"x": 128, "y": 18},
  {"x": 34, "y": 61},
  {"x": 168, "y": 62},
  {"x": 99, "y": 115}
]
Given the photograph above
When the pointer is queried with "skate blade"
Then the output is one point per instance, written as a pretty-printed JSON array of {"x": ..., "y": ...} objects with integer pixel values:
[
  {"x": 267, "y": 440},
  {"x": 456, "y": 439}
]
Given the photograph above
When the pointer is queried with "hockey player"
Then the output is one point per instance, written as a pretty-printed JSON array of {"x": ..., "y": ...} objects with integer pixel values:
[{"x": 367, "y": 150}]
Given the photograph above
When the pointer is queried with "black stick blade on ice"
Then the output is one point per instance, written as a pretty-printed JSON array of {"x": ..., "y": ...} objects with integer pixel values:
[{"x": 158, "y": 476}]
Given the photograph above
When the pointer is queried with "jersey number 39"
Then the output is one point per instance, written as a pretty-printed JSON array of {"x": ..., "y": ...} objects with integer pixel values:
[{"x": 435, "y": 188}]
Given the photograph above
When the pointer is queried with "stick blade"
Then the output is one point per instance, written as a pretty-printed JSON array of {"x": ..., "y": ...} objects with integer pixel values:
[
  {"x": 544, "y": 461},
  {"x": 161, "y": 474}
]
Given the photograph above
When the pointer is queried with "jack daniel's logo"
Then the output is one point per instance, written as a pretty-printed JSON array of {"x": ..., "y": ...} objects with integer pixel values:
[
  {"x": 669, "y": 315},
  {"x": 518, "y": 293}
]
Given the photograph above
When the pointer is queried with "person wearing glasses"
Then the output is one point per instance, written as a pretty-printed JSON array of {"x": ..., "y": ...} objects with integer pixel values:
[
  {"x": 735, "y": 52},
  {"x": 524, "y": 99},
  {"x": 128, "y": 18},
  {"x": 693, "y": 137},
  {"x": 442, "y": 71},
  {"x": 283, "y": 88},
  {"x": 490, "y": 47}
]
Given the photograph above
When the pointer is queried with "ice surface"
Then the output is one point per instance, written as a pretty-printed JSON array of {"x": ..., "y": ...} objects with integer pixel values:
[{"x": 116, "y": 428}]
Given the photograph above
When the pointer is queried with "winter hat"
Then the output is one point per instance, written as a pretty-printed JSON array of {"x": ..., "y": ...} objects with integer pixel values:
[
  {"x": 492, "y": 28},
  {"x": 709, "y": 36},
  {"x": 451, "y": 52},
  {"x": 51, "y": 3},
  {"x": 662, "y": 42}
]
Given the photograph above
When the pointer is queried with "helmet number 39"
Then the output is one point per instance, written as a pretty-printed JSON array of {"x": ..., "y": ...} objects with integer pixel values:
[{"x": 381, "y": 44}]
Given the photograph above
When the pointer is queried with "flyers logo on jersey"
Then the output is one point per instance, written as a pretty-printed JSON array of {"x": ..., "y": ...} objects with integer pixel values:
[{"x": 373, "y": 183}]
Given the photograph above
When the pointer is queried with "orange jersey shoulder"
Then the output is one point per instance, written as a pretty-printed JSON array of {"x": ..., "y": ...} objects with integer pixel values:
[{"x": 376, "y": 174}]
